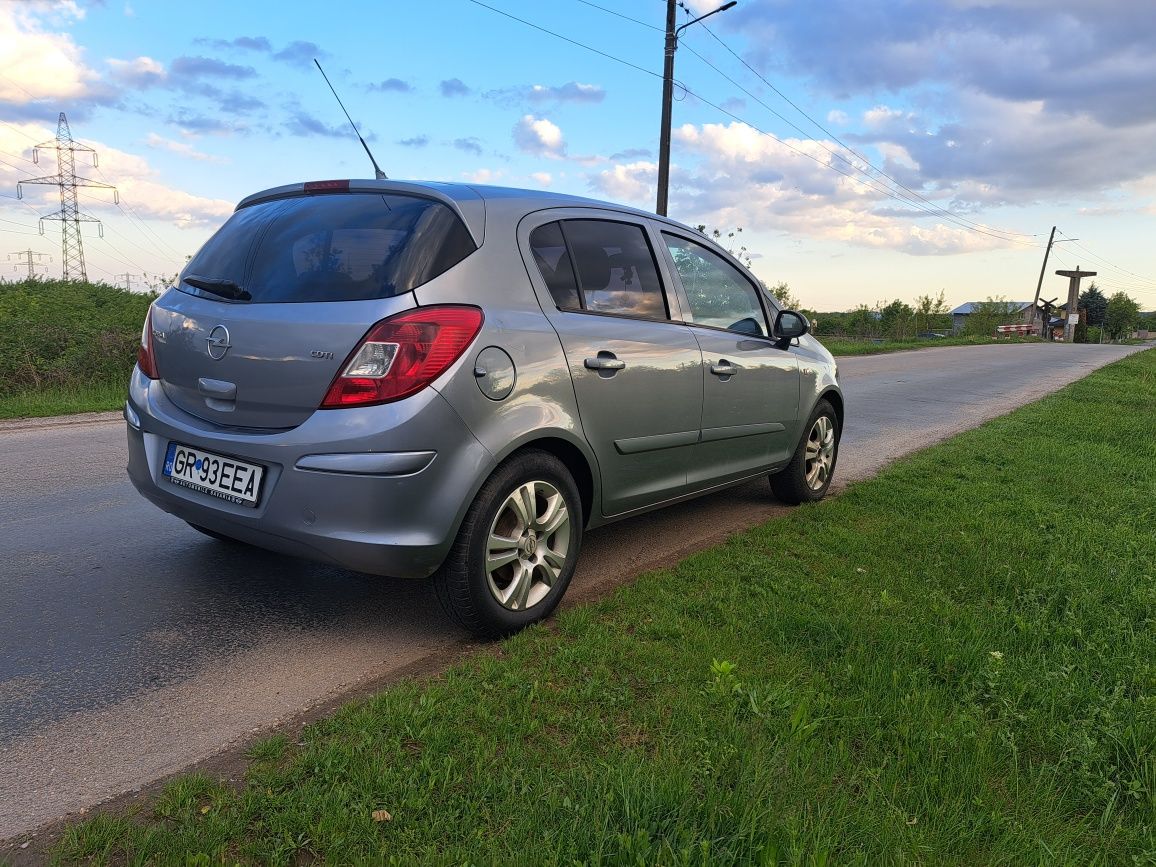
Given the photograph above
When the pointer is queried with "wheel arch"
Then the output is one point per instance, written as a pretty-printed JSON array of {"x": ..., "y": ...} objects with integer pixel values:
[
  {"x": 833, "y": 397},
  {"x": 580, "y": 465}
]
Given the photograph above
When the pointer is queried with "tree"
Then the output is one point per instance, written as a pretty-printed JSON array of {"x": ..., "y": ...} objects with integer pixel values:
[
  {"x": 931, "y": 312},
  {"x": 895, "y": 319},
  {"x": 1093, "y": 300},
  {"x": 1121, "y": 314},
  {"x": 728, "y": 238},
  {"x": 861, "y": 322},
  {"x": 783, "y": 294},
  {"x": 986, "y": 315}
]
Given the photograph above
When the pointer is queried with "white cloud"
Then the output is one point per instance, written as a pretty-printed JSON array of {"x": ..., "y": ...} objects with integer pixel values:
[
  {"x": 37, "y": 64},
  {"x": 181, "y": 149},
  {"x": 736, "y": 176},
  {"x": 544, "y": 179},
  {"x": 630, "y": 182},
  {"x": 540, "y": 137},
  {"x": 140, "y": 73},
  {"x": 837, "y": 116},
  {"x": 572, "y": 91},
  {"x": 483, "y": 176}
]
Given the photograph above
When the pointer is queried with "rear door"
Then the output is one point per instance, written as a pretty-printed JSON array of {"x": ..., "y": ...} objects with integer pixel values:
[
  {"x": 270, "y": 308},
  {"x": 750, "y": 387},
  {"x": 636, "y": 372}
]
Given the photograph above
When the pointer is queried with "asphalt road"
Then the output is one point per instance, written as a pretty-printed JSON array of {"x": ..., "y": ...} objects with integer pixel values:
[{"x": 132, "y": 646}]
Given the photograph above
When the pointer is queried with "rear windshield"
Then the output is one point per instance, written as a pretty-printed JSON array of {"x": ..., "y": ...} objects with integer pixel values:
[{"x": 332, "y": 247}]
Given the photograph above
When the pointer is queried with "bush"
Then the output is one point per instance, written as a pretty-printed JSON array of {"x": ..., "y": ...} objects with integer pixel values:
[{"x": 58, "y": 334}]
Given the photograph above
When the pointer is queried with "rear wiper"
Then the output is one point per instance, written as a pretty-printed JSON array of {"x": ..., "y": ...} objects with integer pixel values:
[{"x": 219, "y": 286}]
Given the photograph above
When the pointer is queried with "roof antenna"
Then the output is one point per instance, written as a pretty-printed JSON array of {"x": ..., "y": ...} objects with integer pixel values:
[{"x": 378, "y": 173}]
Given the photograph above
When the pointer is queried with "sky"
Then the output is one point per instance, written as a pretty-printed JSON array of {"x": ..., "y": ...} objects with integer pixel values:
[{"x": 868, "y": 149}]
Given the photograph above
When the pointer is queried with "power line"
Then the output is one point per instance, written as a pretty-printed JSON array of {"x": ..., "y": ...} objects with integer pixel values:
[
  {"x": 1110, "y": 283},
  {"x": 915, "y": 200},
  {"x": 620, "y": 15},
  {"x": 913, "y": 197},
  {"x": 17, "y": 168},
  {"x": 140, "y": 220},
  {"x": 1142, "y": 278},
  {"x": 889, "y": 193}
]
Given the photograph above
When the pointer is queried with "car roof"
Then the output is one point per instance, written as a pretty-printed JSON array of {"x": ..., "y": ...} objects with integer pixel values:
[{"x": 471, "y": 201}]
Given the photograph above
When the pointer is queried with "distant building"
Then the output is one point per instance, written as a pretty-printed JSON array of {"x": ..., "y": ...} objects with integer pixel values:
[{"x": 1023, "y": 314}]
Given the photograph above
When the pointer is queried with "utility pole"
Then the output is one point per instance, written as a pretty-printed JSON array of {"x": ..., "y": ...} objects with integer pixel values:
[
  {"x": 667, "y": 100},
  {"x": 1074, "y": 278},
  {"x": 69, "y": 216},
  {"x": 127, "y": 280},
  {"x": 668, "y": 96},
  {"x": 1040, "y": 282},
  {"x": 30, "y": 259}
]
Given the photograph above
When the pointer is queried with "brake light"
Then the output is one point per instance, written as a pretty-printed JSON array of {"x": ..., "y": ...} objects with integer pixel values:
[
  {"x": 403, "y": 354},
  {"x": 327, "y": 187},
  {"x": 145, "y": 359}
]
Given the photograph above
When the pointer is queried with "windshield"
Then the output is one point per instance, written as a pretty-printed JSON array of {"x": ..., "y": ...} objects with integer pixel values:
[{"x": 333, "y": 247}]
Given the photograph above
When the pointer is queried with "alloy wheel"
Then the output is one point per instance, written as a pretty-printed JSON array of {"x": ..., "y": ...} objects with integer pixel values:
[
  {"x": 820, "y": 452},
  {"x": 527, "y": 546}
]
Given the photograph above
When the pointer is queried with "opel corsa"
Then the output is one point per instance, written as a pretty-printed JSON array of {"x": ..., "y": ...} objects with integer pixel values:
[{"x": 456, "y": 382}]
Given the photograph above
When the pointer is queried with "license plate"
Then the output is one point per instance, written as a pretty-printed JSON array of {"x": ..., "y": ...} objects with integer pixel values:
[{"x": 225, "y": 478}]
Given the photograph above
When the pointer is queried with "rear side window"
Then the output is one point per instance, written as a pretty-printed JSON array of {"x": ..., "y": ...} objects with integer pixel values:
[
  {"x": 599, "y": 266},
  {"x": 333, "y": 247}
]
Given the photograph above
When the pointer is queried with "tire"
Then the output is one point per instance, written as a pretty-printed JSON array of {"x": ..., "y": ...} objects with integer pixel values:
[
  {"x": 529, "y": 571},
  {"x": 808, "y": 475}
]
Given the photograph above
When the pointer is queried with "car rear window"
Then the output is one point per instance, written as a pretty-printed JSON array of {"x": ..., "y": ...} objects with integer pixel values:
[{"x": 332, "y": 247}]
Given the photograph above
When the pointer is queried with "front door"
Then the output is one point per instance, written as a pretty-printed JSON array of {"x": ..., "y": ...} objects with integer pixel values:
[
  {"x": 636, "y": 373},
  {"x": 750, "y": 387}
]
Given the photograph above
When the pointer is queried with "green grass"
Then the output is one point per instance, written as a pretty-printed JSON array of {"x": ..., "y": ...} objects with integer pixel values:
[
  {"x": 65, "y": 399},
  {"x": 854, "y": 346},
  {"x": 953, "y": 662},
  {"x": 66, "y": 347}
]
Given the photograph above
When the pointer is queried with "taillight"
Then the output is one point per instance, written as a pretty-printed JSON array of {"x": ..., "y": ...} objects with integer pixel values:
[
  {"x": 145, "y": 359},
  {"x": 403, "y": 354}
]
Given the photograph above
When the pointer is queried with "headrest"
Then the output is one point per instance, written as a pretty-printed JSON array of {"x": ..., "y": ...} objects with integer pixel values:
[{"x": 593, "y": 265}]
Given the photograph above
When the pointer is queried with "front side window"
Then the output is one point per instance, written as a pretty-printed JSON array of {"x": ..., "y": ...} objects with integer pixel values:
[
  {"x": 600, "y": 266},
  {"x": 719, "y": 295}
]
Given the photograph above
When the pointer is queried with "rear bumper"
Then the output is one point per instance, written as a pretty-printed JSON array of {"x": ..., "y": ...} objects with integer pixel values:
[{"x": 379, "y": 489}]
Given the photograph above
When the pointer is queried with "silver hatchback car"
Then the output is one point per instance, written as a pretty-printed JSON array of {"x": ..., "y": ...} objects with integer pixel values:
[{"x": 424, "y": 379}]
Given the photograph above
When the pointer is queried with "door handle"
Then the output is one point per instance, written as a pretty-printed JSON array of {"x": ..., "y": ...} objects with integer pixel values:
[
  {"x": 723, "y": 368},
  {"x": 604, "y": 362}
]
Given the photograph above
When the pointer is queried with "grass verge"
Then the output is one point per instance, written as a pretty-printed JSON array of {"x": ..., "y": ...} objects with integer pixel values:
[
  {"x": 850, "y": 346},
  {"x": 950, "y": 662},
  {"x": 65, "y": 399}
]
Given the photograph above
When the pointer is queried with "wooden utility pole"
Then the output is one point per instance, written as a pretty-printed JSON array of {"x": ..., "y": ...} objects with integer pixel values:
[
  {"x": 667, "y": 98},
  {"x": 668, "y": 95},
  {"x": 1040, "y": 282},
  {"x": 1074, "y": 278}
]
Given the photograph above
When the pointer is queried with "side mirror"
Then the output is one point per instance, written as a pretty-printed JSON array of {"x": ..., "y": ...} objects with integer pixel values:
[{"x": 788, "y": 326}]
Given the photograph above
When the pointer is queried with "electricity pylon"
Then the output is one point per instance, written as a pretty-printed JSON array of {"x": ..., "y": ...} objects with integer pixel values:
[
  {"x": 30, "y": 259},
  {"x": 69, "y": 215}
]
